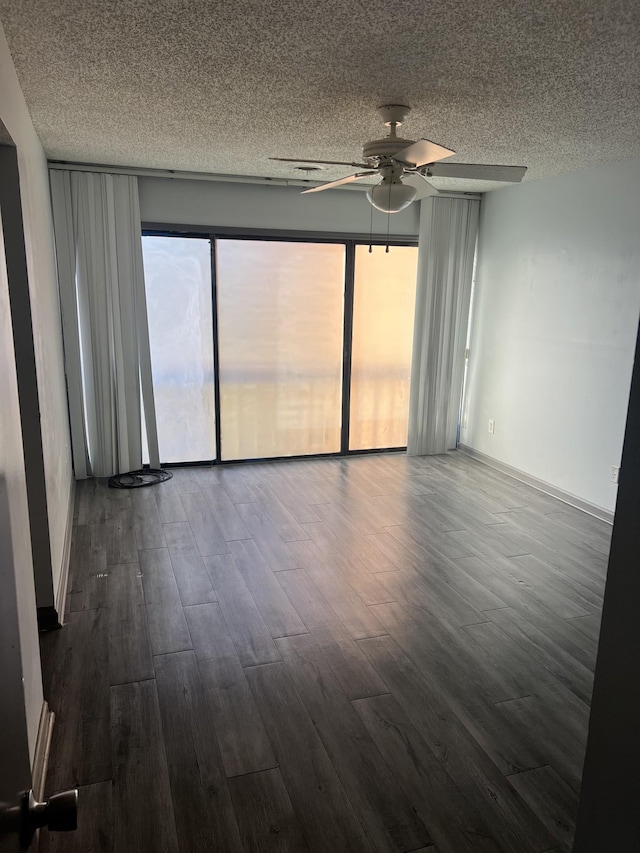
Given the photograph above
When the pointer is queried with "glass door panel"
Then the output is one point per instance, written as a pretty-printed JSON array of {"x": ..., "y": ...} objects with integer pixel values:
[
  {"x": 177, "y": 272},
  {"x": 383, "y": 310},
  {"x": 280, "y": 321}
]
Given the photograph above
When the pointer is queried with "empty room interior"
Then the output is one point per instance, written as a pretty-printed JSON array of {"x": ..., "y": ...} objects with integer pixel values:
[{"x": 319, "y": 460}]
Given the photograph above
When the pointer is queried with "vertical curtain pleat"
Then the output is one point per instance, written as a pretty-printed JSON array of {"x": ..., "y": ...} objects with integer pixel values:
[
  {"x": 98, "y": 240},
  {"x": 142, "y": 331},
  {"x": 448, "y": 230},
  {"x": 66, "y": 258}
]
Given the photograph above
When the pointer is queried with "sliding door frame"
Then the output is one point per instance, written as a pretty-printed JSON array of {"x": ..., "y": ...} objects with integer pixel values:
[
  {"x": 349, "y": 241},
  {"x": 347, "y": 344},
  {"x": 216, "y": 350}
]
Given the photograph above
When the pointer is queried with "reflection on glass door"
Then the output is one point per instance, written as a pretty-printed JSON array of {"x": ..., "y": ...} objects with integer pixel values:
[
  {"x": 177, "y": 272},
  {"x": 383, "y": 310},
  {"x": 280, "y": 339}
]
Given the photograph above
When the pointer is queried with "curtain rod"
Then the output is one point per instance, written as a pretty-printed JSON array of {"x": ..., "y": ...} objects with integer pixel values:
[{"x": 143, "y": 172}]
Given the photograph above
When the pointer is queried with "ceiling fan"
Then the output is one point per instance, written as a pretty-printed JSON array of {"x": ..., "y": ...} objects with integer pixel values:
[{"x": 405, "y": 165}]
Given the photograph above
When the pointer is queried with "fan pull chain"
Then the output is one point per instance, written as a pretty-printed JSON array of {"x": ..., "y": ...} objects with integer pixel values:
[
  {"x": 388, "y": 219},
  {"x": 371, "y": 230}
]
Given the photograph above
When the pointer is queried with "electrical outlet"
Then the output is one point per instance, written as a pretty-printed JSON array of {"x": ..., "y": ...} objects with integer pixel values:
[
  {"x": 492, "y": 426},
  {"x": 615, "y": 473}
]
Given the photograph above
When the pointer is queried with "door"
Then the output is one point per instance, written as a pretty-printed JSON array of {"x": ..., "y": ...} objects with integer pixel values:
[
  {"x": 384, "y": 296},
  {"x": 178, "y": 282},
  {"x": 21, "y": 701},
  {"x": 266, "y": 348},
  {"x": 280, "y": 332}
]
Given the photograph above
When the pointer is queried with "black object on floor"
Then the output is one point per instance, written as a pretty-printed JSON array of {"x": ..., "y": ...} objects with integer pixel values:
[{"x": 138, "y": 479}]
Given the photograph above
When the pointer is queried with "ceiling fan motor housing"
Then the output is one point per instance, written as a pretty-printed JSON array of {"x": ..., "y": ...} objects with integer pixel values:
[{"x": 385, "y": 149}]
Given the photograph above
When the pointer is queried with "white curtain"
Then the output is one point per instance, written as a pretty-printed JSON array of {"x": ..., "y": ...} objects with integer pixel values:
[
  {"x": 104, "y": 321},
  {"x": 448, "y": 230}
]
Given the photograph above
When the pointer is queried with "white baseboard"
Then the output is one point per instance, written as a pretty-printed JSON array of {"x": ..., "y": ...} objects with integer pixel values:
[
  {"x": 540, "y": 485},
  {"x": 41, "y": 755},
  {"x": 63, "y": 580}
]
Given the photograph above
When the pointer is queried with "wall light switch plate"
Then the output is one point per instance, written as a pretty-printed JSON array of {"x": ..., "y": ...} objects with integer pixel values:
[
  {"x": 615, "y": 473},
  {"x": 492, "y": 426}
]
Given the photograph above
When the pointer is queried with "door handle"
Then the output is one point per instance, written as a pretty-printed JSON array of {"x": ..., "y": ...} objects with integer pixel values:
[{"x": 59, "y": 813}]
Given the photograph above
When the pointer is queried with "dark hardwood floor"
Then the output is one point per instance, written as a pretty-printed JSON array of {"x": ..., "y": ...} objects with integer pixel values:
[{"x": 374, "y": 653}]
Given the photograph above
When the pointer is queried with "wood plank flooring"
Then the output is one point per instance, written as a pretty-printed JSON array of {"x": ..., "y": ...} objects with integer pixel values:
[{"x": 378, "y": 653}]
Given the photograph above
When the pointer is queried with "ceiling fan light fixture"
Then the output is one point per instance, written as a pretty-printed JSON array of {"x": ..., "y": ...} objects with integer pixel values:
[{"x": 391, "y": 196}]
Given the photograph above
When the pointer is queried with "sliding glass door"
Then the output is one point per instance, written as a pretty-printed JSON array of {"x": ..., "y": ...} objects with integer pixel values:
[
  {"x": 383, "y": 307},
  {"x": 265, "y": 348},
  {"x": 177, "y": 274},
  {"x": 280, "y": 309}
]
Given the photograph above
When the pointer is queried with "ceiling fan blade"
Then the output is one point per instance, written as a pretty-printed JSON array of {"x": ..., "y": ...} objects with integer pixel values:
[
  {"x": 421, "y": 184},
  {"x": 511, "y": 174},
  {"x": 320, "y": 162},
  {"x": 339, "y": 183},
  {"x": 422, "y": 152}
]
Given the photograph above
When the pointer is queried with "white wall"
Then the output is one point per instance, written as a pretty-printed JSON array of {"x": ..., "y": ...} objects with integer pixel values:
[
  {"x": 237, "y": 205},
  {"x": 45, "y": 308},
  {"x": 554, "y": 327}
]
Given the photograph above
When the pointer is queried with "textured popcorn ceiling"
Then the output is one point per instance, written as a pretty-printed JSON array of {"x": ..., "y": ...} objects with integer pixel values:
[{"x": 219, "y": 86}]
